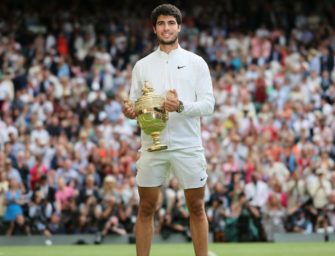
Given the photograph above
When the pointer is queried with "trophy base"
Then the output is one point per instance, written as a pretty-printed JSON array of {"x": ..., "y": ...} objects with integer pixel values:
[{"x": 157, "y": 148}]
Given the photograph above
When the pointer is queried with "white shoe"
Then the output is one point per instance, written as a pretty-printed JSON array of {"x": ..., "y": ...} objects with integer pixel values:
[
  {"x": 211, "y": 253},
  {"x": 48, "y": 242}
]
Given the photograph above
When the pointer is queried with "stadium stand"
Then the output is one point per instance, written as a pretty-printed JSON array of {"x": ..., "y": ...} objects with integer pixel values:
[{"x": 67, "y": 158}]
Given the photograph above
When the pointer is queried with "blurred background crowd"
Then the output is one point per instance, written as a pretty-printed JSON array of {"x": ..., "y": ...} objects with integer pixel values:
[{"x": 67, "y": 153}]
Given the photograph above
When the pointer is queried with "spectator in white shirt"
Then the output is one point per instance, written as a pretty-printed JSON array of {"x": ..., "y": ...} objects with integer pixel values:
[
  {"x": 319, "y": 189},
  {"x": 257, "y": 191},
  {"x": 84, "y": 146},
  {"x": 39, "y": 135}
]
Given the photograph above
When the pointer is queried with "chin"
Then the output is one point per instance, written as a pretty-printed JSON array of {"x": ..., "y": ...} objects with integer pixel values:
[{"x": 167, "y": 42}]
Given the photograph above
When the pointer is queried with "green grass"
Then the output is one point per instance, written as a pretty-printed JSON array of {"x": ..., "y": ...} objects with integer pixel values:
[{"x": 280, "y": 249}]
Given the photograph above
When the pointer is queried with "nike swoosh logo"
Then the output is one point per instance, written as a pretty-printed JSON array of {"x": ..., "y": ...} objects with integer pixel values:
[
  {"x": 201, "y": 179},
  {"x": 179, "y": 67}
]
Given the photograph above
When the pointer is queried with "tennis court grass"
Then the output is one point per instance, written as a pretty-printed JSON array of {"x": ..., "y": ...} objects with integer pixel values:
[{"x": 242, "y": 249}]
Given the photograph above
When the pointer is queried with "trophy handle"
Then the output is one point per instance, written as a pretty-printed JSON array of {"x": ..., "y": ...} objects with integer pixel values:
[{"x": 165, "y": 114}]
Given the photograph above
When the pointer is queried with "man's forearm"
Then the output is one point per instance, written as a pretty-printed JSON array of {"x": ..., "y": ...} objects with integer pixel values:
[{"x": 200, "y": 108}]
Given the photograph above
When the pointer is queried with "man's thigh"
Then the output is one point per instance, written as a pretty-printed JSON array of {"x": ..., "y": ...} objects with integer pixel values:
[
  {"x": 153, "y": 169},
  {"x": 189, "y": 166}
]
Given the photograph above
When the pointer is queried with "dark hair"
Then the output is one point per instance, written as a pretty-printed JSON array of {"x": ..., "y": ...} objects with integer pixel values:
[{"x": 167, "y": 10}]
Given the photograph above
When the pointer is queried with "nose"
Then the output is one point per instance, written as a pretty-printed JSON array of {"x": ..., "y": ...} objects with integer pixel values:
[{"x": 166, "y": 26}]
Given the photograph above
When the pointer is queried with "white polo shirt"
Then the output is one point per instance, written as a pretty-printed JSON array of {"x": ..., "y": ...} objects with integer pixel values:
[{"x": 186, "y": 72}]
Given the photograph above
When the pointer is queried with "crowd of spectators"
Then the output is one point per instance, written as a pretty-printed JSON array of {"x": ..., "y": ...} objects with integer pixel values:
[{"x": 67, "y": 158}]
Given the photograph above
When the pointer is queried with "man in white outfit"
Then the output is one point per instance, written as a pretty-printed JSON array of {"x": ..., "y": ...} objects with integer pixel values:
[{"x": 185, "y": 77}]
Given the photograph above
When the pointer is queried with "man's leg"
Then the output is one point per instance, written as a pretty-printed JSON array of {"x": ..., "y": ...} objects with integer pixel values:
[
  {"x": 198, "y": 220},
  {"x": 144, "y": 222}
]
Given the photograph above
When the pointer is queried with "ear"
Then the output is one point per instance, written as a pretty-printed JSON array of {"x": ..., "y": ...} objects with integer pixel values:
[
  {"x": 154, "y": 29},
  {"x": 179, "y": 28}
]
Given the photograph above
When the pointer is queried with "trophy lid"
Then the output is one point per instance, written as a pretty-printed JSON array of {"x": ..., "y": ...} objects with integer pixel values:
[
  {"x": 149, "y": 99},
  {"x": 147, "y": 88}
]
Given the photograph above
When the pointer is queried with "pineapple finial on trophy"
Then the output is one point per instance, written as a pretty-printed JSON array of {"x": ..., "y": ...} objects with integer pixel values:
[{"x": 147, "y": 88}]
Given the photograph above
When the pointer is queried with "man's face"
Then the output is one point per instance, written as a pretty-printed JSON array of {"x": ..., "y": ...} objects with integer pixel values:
[{"x": 166, "y": 29}]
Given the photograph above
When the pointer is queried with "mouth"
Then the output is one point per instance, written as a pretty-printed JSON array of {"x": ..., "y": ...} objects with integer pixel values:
[
  {"x": 167, "y": 38},
  {"x": 166, "y": 35}
]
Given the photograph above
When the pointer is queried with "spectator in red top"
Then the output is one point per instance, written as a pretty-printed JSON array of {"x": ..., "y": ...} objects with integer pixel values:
[
  {"x": 62, "y": 45},
  {"x": 260, "y": 96},
  {"x": 36, "y": 172}
]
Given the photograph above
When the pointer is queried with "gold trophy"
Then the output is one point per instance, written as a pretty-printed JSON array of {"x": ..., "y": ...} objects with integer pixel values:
[{"x": 151, "y": 116}]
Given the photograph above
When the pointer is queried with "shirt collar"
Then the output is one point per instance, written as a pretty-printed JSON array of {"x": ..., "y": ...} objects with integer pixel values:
[{"x": 171, "y": 53}]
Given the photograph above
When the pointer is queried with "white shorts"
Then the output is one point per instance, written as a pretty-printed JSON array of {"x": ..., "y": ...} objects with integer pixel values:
[{"x": 188, "y": 165}]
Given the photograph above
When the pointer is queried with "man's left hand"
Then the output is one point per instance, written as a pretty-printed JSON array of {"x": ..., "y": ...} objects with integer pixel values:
[{"x": 171, "y": 103}]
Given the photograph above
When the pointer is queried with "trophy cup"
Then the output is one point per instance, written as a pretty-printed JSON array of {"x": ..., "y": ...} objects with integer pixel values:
[{"x": 151, "y": 116}]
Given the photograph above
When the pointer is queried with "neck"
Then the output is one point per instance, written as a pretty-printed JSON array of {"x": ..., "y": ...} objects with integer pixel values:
[{"x": 167, "y": 48}]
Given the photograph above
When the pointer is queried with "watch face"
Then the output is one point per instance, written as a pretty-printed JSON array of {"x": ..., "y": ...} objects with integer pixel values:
[{"x": 181, "y": 107}]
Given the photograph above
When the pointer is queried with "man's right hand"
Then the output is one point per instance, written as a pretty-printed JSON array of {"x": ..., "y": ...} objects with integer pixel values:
[{"x": 129, "y": 110}]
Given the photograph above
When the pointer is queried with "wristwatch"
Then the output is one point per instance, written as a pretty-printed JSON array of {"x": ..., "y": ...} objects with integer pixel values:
[{"x": 180, "y": 107}]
